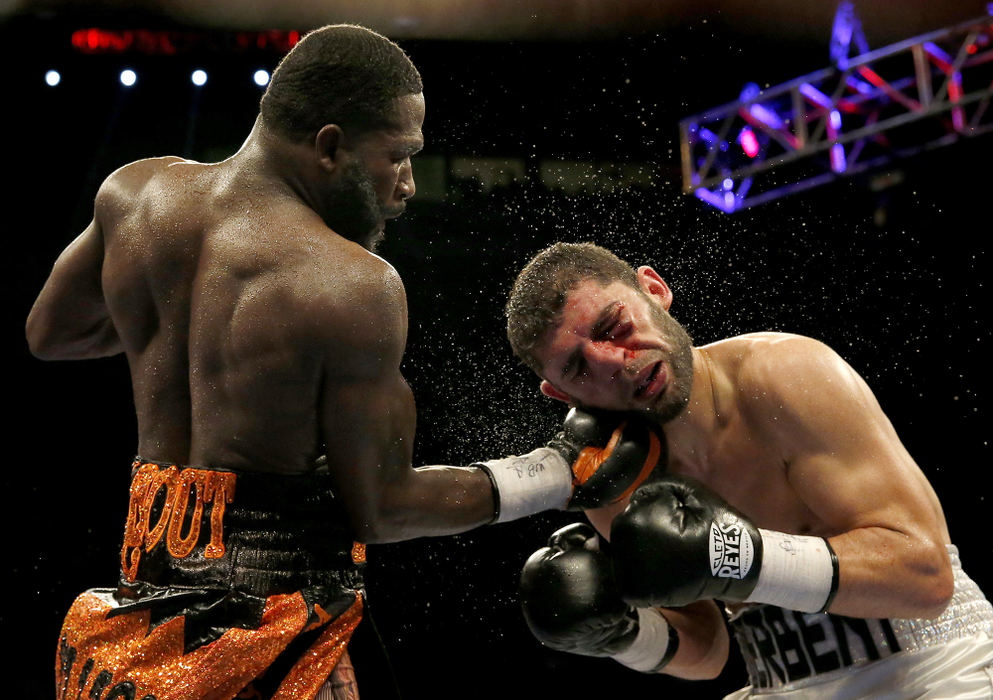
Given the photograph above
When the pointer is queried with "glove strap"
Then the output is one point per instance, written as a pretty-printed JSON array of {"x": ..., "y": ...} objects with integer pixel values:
[
  {"x": 528, "y": 484},
  {"x": 653, "y": 647},
  {"x": 798, "y": 572}
]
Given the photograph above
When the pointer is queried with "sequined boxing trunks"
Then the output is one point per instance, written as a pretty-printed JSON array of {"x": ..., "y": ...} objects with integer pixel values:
[
  {"x": 232, "y": 584},
  {"x": 817, "y": 656}
]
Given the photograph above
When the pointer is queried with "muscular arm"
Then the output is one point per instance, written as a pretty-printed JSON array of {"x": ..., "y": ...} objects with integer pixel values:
[
  {"x": 848, "y": 466},
  {"x": 368, "y": 421},
  {"x": 69, "y": 319},
  {"x": 703, "y": 635}
]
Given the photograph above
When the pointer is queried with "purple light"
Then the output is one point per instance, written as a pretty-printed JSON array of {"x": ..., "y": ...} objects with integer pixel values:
[
  {"x": 835, "y": 120},
  {"x": 749, "y": 92},
  {"x": 726, "y": 204},
  {"x": 709, "y": 136},
  {"x": 860, "y": 86},
  {"x": 766, "y": 116},
  {"x": 838, "y": 163},
  {"x": 728, "y": 184},
  {"x": 815, "y": 96}
]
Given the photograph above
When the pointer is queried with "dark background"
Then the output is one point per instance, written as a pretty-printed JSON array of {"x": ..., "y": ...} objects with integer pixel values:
[{"x": 893, "y": 277}]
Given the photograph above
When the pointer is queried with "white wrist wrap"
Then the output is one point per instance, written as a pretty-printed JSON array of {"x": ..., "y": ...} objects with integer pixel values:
[
  {"x": 798, "y": 572},
  {"x": 538, "y": 481},
  {"x": 651, "y": 644}
]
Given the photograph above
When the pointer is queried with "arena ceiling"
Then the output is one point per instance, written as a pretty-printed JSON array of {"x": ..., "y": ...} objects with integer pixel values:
[{"x": 501, "y": 20}]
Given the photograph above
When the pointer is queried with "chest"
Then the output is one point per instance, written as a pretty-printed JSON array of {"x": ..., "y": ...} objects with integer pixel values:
[{"x": 753, "y": 476}]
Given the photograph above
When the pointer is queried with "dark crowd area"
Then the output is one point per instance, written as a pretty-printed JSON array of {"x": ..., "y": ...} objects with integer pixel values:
[{"x": 886, "y": 267}]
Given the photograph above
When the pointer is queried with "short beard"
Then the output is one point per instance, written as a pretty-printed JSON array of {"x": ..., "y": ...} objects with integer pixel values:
[
  {"x": 354, "y": 210},
  {"x": 677, "y": 397}
]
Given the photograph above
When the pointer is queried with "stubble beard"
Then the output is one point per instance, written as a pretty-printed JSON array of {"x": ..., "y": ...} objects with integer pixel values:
[
  {"x": 355, "y": 211},
  {"x": 677, "y": 396}
]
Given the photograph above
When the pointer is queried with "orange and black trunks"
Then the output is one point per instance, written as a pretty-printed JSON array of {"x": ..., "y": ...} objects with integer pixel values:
[
  {"x": 124, "y": 658},
  {"x": 224, "y": 592}
]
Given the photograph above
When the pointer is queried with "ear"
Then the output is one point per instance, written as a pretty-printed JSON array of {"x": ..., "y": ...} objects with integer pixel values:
[
  {"x": 550, "y": 391},
  {"x": 654, "y": 286},
  {"x": 327, "y": 146}
]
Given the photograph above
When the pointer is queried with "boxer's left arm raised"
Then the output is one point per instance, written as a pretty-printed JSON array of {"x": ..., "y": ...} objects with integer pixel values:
[{"x": 69, "y": 319}]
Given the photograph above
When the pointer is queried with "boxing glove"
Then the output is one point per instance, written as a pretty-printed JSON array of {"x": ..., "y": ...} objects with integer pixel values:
[
  {"x": 571, "y": 603},
  {"x": 597, "y": 458},
  {"x": 611, "y": 454},
  {"x": 678, "y": 542}
]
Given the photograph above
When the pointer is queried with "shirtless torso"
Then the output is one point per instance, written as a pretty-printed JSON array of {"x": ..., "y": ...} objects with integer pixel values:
[{"x": 257, "y": 337}]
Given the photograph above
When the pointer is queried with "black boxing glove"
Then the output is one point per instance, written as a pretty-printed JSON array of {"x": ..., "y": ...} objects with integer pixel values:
[
  {"x": 597, "y": 458},
  {"x": 678, "y": 542},
  {"x": 571, "y": 603}
]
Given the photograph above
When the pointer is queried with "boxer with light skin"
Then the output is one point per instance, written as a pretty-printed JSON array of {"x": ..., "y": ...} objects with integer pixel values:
[{"x": 771, "y": 435}]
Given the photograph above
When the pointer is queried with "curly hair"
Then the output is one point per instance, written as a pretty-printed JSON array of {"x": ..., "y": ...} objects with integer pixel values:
[
  {"x": 540, "y": 290},
  {"x": 339, "y": 74}
]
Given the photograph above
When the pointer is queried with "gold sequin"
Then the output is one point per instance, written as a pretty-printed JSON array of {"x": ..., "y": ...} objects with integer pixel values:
[
  {"x": 205, "y": 486},
  {"x": 155, "y": 664}
]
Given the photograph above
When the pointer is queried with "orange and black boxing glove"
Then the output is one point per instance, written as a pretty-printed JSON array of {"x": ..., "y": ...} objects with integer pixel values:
[{"x": 598, "y": 457}]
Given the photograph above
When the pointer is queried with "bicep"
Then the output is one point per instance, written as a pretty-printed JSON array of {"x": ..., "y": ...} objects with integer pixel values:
[
  {"x": 367, "y": 414},
  {"x": 845, "y": 460},
  {"x": 368, "y": 429}
]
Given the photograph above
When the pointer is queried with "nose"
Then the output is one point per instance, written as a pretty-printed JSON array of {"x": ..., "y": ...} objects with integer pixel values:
[
  {"x": 606, "y": 358},
  {"x": 405, "y": 183}
]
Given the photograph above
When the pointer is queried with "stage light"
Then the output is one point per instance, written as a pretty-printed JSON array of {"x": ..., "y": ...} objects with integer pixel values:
[
  {"x": 52, "y": 78},
  {"x": 749, "y": 142},
  {"x": 128, "y": 77},
  {"x": 261, "y": 77},
  {"x": 199, "y": 77}
]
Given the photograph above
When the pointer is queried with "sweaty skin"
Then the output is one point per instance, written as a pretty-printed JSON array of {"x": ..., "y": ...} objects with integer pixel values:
[
  {"x": 778, "y": 425},
  {"x": 260, "y": 335}
]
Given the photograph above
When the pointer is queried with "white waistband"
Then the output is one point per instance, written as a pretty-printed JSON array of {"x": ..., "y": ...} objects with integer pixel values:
[{"x": 787, "y": 649}]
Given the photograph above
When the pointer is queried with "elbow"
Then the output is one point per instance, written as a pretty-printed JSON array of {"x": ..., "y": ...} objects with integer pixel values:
[
  {"x": 44, "y": 340},
  {"x": 704, "y": 644},
  {"x": 712, "y": 664},
  {"x": 372, "y": 531},
  {"x": 37, "y": 339},
  {"x": 937, "y": 585},
  {"x": 379, "y": 526},
  {"x": 937, "y": 593},
  {"x": 707, "y": 666},
  {"x": 40, "y": 345},
  {"x": 47, "y": 343}
]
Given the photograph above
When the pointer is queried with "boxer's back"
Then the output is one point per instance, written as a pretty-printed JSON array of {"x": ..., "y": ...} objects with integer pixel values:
[{"x": 208, "y": 275}]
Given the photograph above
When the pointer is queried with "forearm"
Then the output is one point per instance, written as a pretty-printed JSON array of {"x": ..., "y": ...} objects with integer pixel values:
[
  {"x": 50, "y": 338},
  {"x": 431, "y": 501},
  {"x": 885, "y": 573},
  {"x": 69, "y": 319},
  {"x": 703, "y": 641}
]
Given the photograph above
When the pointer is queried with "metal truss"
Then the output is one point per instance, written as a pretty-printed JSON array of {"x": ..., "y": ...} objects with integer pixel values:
[{"x": 862, "y": 113}]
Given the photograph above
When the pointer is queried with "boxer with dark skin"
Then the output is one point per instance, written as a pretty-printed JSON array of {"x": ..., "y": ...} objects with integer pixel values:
[
  {"x": 773, "y": 427},
  {"x": 217, "y": 380},
  {"x": 264, "y": 336}
]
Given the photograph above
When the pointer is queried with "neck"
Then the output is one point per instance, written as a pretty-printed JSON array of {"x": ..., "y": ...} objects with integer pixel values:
[
  {"x": 690, "y": 434},
  {"x": 277, "y": 162}
]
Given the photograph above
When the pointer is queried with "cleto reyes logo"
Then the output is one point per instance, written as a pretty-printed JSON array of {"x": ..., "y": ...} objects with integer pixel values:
[{"x": 731, "y": 550}]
